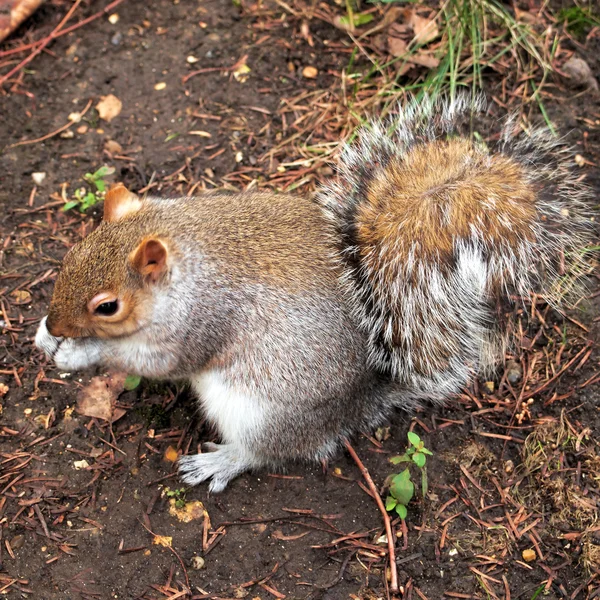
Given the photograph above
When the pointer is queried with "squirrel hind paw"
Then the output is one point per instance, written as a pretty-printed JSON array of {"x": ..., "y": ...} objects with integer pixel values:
[{"x": 222, "y": 464}]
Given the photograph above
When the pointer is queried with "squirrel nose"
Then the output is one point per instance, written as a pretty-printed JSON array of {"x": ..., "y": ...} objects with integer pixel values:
[{"x": 53, "y": 328}]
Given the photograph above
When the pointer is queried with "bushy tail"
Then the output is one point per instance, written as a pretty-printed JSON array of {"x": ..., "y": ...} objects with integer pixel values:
[{"x": 437, "y": 231}]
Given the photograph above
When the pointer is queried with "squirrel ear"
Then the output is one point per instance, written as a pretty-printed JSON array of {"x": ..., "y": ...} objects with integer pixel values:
[
  {"x": 120, "y": 202},
  {"x": 150, "y": 258}
]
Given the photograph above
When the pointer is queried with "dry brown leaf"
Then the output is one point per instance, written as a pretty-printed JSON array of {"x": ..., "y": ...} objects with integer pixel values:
[
  {"x": 163, "y": 540},
  {"x": 98, "y": 398},
  {"x": 424, "y": 59},
  {"x": 190, "y": 512},
  {"x": 171, "y": 454},
  {"x": 21, "y": 296},
  {"x": 396, "y": 46},
  {"x": 425, "y": 30},
  {"x": 109, "y": 107}
]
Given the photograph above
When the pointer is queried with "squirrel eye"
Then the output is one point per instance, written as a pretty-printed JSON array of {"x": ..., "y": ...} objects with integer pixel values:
[{"x": 107, "y": 309}]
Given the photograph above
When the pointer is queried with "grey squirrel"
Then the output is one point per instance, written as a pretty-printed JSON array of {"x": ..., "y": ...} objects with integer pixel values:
[{"x": 299, "y": 321}]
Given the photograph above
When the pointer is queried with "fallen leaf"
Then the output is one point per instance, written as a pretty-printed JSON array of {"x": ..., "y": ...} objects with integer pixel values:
[
  {"x": 163, "y": 540},
  {"x": 426, "y": 30},
  {"x": 98, "y": 398},
  {"x": 109, "y": 107},
  {"x": 241, "y": 73},
  {"x": 113, "y": 147},
  {"x": 21, "y": 296},
  {"x": 189, "y": 512},
  {"x": 171, "y": 454},
  {"x": 396, "y": 46},
  {"x": 424, "y": 59}
]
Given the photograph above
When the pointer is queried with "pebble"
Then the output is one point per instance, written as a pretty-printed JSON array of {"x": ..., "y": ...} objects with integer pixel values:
[
  {"x": 17, "y": 542},
  {"x": 198, "y": 563},
  {"x": 113, "y": 19},
  {"x": 513, "y": 372},
  {"x": 38, "y": 178},
  {"x": 310, "y": 72},
  {"x": 160, "y": 86},
  {"x": 580, "y": 74},
  {"x": 116, "y": 39}
]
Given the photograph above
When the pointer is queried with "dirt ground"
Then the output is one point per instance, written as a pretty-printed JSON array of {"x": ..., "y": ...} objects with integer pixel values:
[{"x": 507, "y": 474}]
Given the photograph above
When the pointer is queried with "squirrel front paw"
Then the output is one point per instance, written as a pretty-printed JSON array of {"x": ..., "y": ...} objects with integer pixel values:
[
  {"x": 69, "y": 354},
  {"x": 74, "y": 354},
  {"x": 223, "y": 463}
]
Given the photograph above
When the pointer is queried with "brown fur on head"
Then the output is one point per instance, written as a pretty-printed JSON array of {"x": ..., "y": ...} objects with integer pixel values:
[{"x": 106, "y": 278}]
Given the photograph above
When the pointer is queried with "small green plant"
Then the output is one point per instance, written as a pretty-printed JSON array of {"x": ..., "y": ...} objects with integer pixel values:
[
  {"x": 85, "y": 197},
  {"x": 178, "y": 495},
  {"x": 402, "y": 488},
  {"x": 578, "y": 20}
]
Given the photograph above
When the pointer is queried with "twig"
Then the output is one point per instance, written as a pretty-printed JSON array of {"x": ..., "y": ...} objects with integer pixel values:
[
  {"x": 386, "y": 518},
  {"x": 58, "y": 34},
  {"x": 42, "y": 45},
  {"x": 53, "y": 133}
]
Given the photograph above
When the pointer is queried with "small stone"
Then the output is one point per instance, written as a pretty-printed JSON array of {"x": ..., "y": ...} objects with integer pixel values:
[
  {"x": 75, "y": 117},
  {"x": 198, "y": 563},
  {"x": 67, "y": 135},
  {"x": 28, "y": 411},
  {"x": 116, "y": 39},
  {"x": 529, "y": 555},
  {"x": 310, "y": 72},
  {"x": 82, "y": 129},
  {"x": 38, "y": 178},
  {"x": 81, "y": 464},
  {"x": 580, "y": 74},
  {"x": 239, "y": 157},
  {"x": 213, "y": 37},
  {"x": 113, "y": 19},
  {"x": 3, "y": 389},
  {"x": 192, "y": 59},
  {"x": 17, "y": 542},
  {"x": 509, "y": 467},
  {"x": 160, "y": 86},
  {"x": 513, "y": 372}
]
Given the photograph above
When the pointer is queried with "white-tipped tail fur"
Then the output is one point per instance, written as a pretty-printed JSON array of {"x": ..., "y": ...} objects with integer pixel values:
[{"x": 437, "y": 231}]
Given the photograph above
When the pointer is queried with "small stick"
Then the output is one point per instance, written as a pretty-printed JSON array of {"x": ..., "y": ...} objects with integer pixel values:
[
  {"x": 77, "y": 25},
  {"x": 42, "y": 45},
  {"x": 51, "y": 134},
  {"x": 386, "y": 518}
]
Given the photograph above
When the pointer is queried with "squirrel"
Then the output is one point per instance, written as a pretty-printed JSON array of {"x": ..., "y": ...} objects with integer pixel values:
[{"x": 300, "y": 321}]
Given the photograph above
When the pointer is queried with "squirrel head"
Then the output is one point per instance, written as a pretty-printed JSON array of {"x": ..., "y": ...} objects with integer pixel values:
[{"x": 106, "y": 282}]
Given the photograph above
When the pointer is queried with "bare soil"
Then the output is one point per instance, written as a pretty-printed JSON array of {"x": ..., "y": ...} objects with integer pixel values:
[{"x": 310, "y": 533}]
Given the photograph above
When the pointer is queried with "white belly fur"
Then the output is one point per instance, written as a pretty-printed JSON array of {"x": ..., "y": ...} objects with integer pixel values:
[{"x": 235, "y": 413}]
